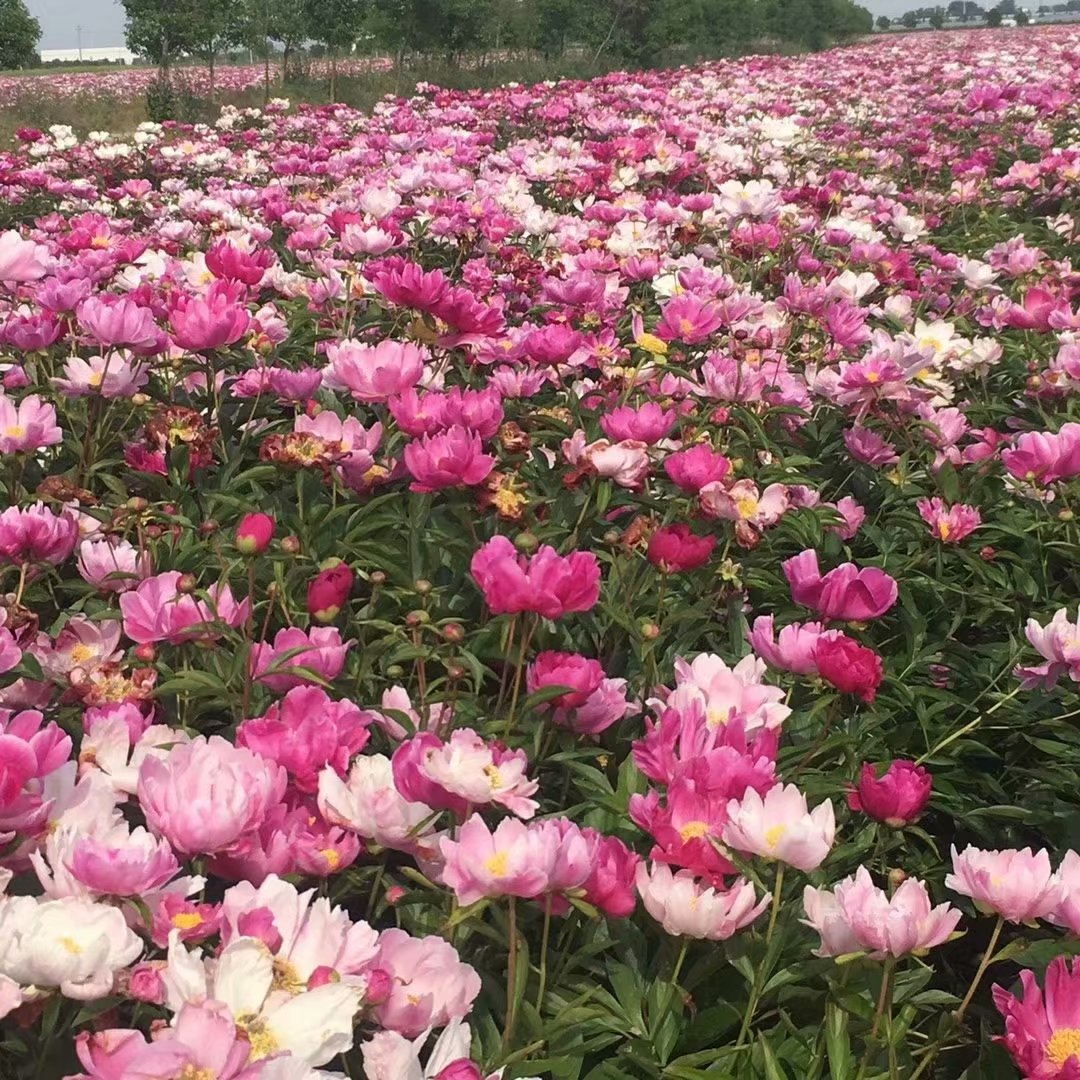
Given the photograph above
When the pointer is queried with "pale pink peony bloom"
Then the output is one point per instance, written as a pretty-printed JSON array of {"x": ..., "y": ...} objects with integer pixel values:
[
  {"x": 790, "y": 650},
  {"x": 451, "y": 458},
  {"x": 507, "y": 862},
  {"x": 396, "y": 700},
  {"x": 1059, "y": 642},
  {"x": 122, "y": 862},
  {"x": 114, "y": 321},
  {"x": 463, "y": 772},
  {"x": 725, "y": 694},
  {"x": 868, "y": 447},
  {"x": 743, "y": 502},
  {"x": 686, "y": 908},
  {"x": 373, "y": 372},
  {"x": 1067, "y": 913},
  {"x": 113, "y": 376},
  {"x": 627, "y": 462},
  {"x": 368, "y": 802},
  {"x": 206, "y": 794},
  {"x": 21, "y": 260},
  {"x": 112, "y": 565},
  {"x": 857, "y": 912},
  {"x": 1018, "y": 885},
  {"x": 780, "y": 826},
  {"x": 429, "y": 984},
  {"x": 27, "y": 425},
  {"x": 155, "y": 610}
]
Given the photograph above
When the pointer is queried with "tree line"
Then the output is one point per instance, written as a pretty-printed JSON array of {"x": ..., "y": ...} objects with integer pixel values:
[{"x": 637, "y": 32}]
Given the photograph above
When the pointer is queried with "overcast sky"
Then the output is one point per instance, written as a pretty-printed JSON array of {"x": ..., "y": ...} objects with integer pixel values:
[{"x": 102, "y": 21}]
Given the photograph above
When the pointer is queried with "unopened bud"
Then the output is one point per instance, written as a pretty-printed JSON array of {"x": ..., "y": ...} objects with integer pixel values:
[
  {"x": 208, "y": 527},
  {"x": 422, "y": 586},
  {"x": 417, "y": 618},
  {"x": 187, "y": 583},
  {"x": 290, "y": 545},
  {"x": 650, "y": 631},
  {"x": 454, "y": 633},
  {"x": 145, "y": 653},
  {"x": 526, "y": 542}
]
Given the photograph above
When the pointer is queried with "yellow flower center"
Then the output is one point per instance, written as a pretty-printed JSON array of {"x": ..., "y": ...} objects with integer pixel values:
[
  {"x": 773, "y": 835},
  {"x": 95, "y": 378},
  {"x": 332, "y": 857},
  {"x": 81, "y": 653},
  {"x": 16, "y": 431},
  {"x": 1063, "y": 1044},
  {"x": 747, "y": 506},
  {"x": 193, "y": 1072},
  {"x": 262, "y": 1039},
  {"x": 652, "y": 344},
  {"x": 494, "y": 777},
  {"x": 186, "y": 920},
  {"x": 498, "y": 865},
  {"x": 69, "y": 944},
  {"x": 944, "y": 530},
  {"x": 693, "y": 829},
  {"x": 872, "y": 376},
  {"x": 286, "y": 977}
]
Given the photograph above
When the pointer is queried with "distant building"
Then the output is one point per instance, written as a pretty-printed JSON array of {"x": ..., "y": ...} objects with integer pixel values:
[{"x": 89, "y": 54}]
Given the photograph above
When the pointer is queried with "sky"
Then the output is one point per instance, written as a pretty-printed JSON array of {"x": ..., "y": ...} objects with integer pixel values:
[{"x": 103, "y": 20}]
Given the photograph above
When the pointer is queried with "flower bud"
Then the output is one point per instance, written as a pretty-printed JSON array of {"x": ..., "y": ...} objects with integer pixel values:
[
  {"x": 454, "y": 633},
  {"x": 328, "y": 592},
  {"x": 187, "y": 583},
  {"x": 322, "y": 976},
  {"x": 290, "y": 545},
  {"x": 394, "y": 894},
  {"x": 146, "y": 984},
  {"x": 417, "y": 618},
  {"x": 526, "y": 542},
  {"x": 379, "y": 985},
  {"x": 378, "y": 578},
  {"x": 208, "y": 527},
  {"x": 146, "y": 653},
  {"x": 462, "y": 1069},
  {"x": 254, "y": 533}
]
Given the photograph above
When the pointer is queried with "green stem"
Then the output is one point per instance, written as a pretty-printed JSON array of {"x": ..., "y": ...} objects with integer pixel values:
[
  {"x": 987, "y": 957},
  {"x": 759, "y": 978},
  {"x": 545, "y": 937},
  {"x": 511, "y": 972}
]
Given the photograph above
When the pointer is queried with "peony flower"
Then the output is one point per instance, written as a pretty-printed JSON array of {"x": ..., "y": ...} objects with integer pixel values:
[
  {"x": 580, "y": 675},
  {"x": 1020, "y": 886},
  {"x": 373, "y": 372},
  {"x": 675, "y": 548},
  {"x": 73, "y": 944},
  {"x": 685, "y": 908},
  {"x": 697, "y": 467},
  {"x": 112, "y": 376},
  {"x": 506, "y": 862},
  {"x": 949, "y": 524},
  {"x": 550, "y": 584},
  {"x": 21, "y": 260},
  {"x": 122, "y": 862},
  {"x": 206, "y": 794},
  {"x": 328, "y": 592},
  {"x": 726, "y": 694},
  {"x": 156, "y": 610},
  {"x": 212, "y": 321},
  {"x": 846, "y": 593},
  {"x": 780, "y": 826},
  {"x": 1042, "y": 1031},
  {"x": 429, "y": 984},
  {"x": 27, "y": 426},
  {"x": 857, "y": 913},
  {"x": 254, "y": 533},
  {"x": 112, "y": 565},
  {"x": 1067, "y": 913},
  {"x": 1058, "y": 641},
  {"x": 452, "y": 458},
  {"x": 850, "y": 667},
  {"x": 898, "y": 797},
  {"x": 793, "y": 649},
  {"x": 294, "y": 652}
]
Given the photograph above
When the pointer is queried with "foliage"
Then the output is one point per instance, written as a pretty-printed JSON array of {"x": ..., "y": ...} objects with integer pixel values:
[{"x": 20, "y": 33}]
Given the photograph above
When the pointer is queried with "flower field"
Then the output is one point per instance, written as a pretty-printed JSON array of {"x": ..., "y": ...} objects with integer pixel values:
[{"x": 576, "y": 581}]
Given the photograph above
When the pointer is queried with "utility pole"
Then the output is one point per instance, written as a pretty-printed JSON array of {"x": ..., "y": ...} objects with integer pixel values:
[{"x": 78, "y": 35}]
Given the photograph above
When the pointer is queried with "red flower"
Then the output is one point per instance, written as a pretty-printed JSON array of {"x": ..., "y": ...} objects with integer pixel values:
[
  {"x": 254, "y": 533},
  {"x": 897, "y": 797},
  {"x": 850, "y": 667},
  {"x": 328, "y": 591}
]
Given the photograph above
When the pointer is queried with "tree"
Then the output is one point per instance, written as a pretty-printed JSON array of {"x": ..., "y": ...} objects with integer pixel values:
[
  {"x": 160, "y": 30},
  {"x": 909, "y": 19},
  {"x": 883, "y": 22},
  {"x": 214, "y": 26},
  {"x": 993, "y": 17},
  {"x": 335, "y": 24},
  {"x": 20, "y": 33},
  {"x": 1022, "y": 17},
  {"x": 937, "y": 20}
]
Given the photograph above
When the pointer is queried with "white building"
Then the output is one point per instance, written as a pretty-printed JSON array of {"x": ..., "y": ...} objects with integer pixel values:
[{"x": 89, "y": 54}]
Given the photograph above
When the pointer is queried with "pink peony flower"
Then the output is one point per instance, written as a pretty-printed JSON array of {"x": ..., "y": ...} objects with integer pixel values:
[
  {"x": 857, "y": 916},
  {"x": 21, "y": 260},
  {"x": 116, "y": 321},
  {"x": 306, "y": 731},
  {"x": 580, "y": 675},
  {"x": 112, "y": 565},
  {"x": 898, "y": 797},
  {"x": 550, "y": 584},
  {"x": 1067, "y": 913},
  {"x": 123, "y": 863},
  {"x": 693, "y": 469},
  {"x": 155, "y": 610},
  {"x": 373, "y": 372},
  {"x": 676, "y": 549},
  {"x": 793, "y": 649},
  {"x": 429, "y": 984},
  {"x": 648, "y": 424},
  {"x": 28, "y": 426},
  {"x": 781, "y": 827},
  {"x": 868, "y": 447},
  {"x": 206, "y": 794},
  {"x": 208, "y": 322},
  {"x": 295, "y": 652},
  {"x": 847, "y": 593},
  {"x": 453, "y": 458},
  {"x": 507, "y": 862},
  {"x": 35, "y": 534},
  {"x": 1042, "y": 1032},
  {"x": 1059, "y": 642},
  {"x": 949, "y": 524},
  {"x": 113, "y": 376},
  {"x": 686, "y": 908},
  {"x": 1020, "y": 886}
]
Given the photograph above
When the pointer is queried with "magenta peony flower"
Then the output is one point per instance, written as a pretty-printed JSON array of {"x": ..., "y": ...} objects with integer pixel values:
[
  {"x": 211, "y": 321},
  {"x": 1042, "y": 1031},
  {"x": 850, "y": 667},
  {"x": 949, "y": 524},
  {"x": 898, "y": 797},
  {"x": 453, "y": 458},
  {"x": 692, "y": 469},
  {"x": 675, "y": 548},
  {"x": 847, "y": 592},
  {"x": 281, "y": 665}
]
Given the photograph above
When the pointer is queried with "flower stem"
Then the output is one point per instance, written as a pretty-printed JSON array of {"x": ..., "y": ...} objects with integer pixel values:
[
  {"x": 759, "y": 977},
  {"x": 511, "y": 972},
  {"x": 983, "y": 965},
  {"x": 545, "y": 937}
]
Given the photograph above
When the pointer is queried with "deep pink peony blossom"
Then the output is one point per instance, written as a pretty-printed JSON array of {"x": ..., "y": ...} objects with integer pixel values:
[
  {"x": 847, "y": 592},
  {"x": 897, "y": 797}
]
